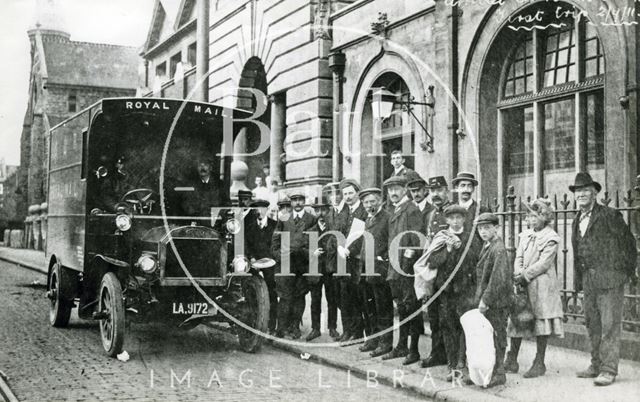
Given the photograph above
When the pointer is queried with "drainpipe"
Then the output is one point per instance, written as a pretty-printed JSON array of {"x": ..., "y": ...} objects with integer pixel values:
[
  {"x": 336, "y": 64},
  {"x": 202, "y": 50},
  {"x": 453, "y": 84}
]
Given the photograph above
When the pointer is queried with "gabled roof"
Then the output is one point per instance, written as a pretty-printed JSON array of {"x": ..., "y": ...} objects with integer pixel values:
[
  {"x": 168, "y": 17},
  {"x": 90, "y": 64}
]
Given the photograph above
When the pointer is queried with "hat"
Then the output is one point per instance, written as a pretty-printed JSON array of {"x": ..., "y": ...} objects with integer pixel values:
[
  {"x": 349, "y": 182},
  {"x": 245, "y": 194},
  {"x": 395, "y": 181},
  {"x": 487, "y": 217},
  {"x": 455, "y": 209},
  {"x": 437, "y": 181},
  {"x": 284, "y": 202},
  {"x": 331, "y": 186},
  {"x": 583, "y": 179},
  {"x": 297, "y": 195},
  {"x": 464, "y": 176},
  {"x": 259, "y": 203},
  {"x": 320, "y": 203},
  {"x": 415, "y": 183},
  {"x": 368, "y": 191}
]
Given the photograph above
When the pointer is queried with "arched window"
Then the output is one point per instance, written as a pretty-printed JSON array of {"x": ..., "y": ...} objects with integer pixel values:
[{"x": 550, "y": 107}]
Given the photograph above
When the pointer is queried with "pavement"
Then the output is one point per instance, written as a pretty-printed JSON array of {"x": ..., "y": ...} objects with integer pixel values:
[{"x": 559, "y": 383}]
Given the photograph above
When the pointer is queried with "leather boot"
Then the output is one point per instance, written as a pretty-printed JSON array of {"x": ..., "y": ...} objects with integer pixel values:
[
  {"x": 537, "y": 369},
  {"x": 511, "y": 363}
]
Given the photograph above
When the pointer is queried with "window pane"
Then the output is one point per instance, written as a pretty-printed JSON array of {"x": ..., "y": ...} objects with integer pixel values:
[
  {"x": 519, "y": 68},
  {"x": 565, "y": 39},
  {"x": 529, "y": 45},
  {"x": 548, "y": 78},
  {"x": 518, "y": 158},
  {"x": 591, "y": 68},
  {"x": 559, "y": 148},
  {"x": 573, "y": 76},
  {"x": 551, "y": 42},
  {"x": 530, "y": 84},
  {"x": 550, "y": 61},
  {"x": 508, "y": 88},
  {"x": 563, "y": 57},
  {"x": 529, "y": 65},
  {"x": 520, "y": 86},
  {"x": 591, "y": 48},
  {"x": 601, "y": 65},
  {"x": 595, "y": 130},
  {"x": 561, "y": 75}
]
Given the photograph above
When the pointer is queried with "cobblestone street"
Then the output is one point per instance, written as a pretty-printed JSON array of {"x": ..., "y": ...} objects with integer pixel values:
[{"x": 45, "y": 363}]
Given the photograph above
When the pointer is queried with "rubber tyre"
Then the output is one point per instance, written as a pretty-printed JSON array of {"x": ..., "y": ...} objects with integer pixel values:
[
  {"x": 59, "y": 308},
  {"x": 110, "y": 300},
  {"x": 256, "y": 313}
]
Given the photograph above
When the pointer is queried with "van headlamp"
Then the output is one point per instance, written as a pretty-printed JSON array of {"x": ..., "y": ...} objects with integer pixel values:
[
  {"x": 240, "y": 264},
  {"x": 123, "y": 222},
  {"x": 147, "y": 264},
  {"x": 233, "y": 226}
]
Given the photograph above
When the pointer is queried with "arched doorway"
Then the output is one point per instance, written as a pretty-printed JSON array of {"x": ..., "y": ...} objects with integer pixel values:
[
  {"x": 252, "y": 91},
  {"x": 381, "y": 137},
  {"x": 542, "y": 94}
]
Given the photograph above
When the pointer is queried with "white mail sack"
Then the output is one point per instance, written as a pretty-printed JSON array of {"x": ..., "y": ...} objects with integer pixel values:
[{"x": 481, "y": 354}]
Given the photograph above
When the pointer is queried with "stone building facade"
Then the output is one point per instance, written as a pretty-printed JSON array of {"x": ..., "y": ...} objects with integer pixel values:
[
  {"x": 522, "y": 93},
  {"x": 66, "y": 76}
]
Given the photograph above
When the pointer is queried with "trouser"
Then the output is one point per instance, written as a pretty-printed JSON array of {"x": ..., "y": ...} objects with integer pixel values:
[
  {"x": 316, "y": 284},
  {"x": 498, "y": 319},
  {"x": 291, "y": 290},
  {"x": 367, "y": 306},
  {"x": 351, "y": 307},
  {"x": 407, "y": 302},
  {"x": 270, "y": 280},
  {"x": 603, "y": 315},
  {"x": 450, "y": 327},
  {"x": 383, "y": 312},
  {"x": 437, "y": 344}
]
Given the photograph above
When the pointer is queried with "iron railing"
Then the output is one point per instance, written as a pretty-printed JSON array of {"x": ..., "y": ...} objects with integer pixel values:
[{"x": 512, "y": 217}]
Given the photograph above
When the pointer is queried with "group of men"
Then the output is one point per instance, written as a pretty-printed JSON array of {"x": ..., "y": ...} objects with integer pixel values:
[{"x": 377, "y": 266}]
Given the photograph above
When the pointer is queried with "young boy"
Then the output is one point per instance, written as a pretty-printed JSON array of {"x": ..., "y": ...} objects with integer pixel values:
[{"x": 494, "y": 277}]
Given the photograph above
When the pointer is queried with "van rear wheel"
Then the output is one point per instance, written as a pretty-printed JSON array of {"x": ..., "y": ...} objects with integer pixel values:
[
  {"x": 59, "y": 307},
  {"x": 111, "y": 306}
]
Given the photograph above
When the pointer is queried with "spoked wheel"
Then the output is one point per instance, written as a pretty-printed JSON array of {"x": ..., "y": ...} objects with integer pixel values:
[
  {"x": 255, "y": 313},
  {"x": 111, "y": 306},
  {"x": 59, "y": 308}
]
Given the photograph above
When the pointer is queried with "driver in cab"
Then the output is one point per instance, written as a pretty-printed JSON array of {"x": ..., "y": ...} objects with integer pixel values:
[
  {"x": 113, "y": 185},
  {"x": 203, "y": 193}
]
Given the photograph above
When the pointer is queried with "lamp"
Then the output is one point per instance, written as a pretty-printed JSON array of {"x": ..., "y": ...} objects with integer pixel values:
[{"x": 382, "y": 105}]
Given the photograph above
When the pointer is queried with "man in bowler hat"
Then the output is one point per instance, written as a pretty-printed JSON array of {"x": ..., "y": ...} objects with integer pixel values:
[
  {"x": 292, "y": 288},
  {"x": 605, "y": 255},
  {"x": 325, "y": 255},
  {"x": 377, "y": 225},
  {"x": 465, "y": 184}
]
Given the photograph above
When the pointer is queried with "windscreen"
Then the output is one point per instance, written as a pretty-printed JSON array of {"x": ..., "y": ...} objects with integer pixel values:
[{"x": 127, "y": 147}]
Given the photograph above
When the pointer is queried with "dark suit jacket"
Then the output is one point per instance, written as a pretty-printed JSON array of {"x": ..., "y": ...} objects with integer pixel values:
[
  {"x": 606, "y": 256},
  {"x": 494, "y": 276},
  {"x": 258, "y": 240},
  {"x": 326, "y": 261},
  {"x": 406, "y": 217},
  {"x": 298, "y": 241},
  {"x": 343, "y": 224},
  {"x": 200, "y": 201},
  {"x": 471, "y": 214},
  {"x": 378, "y": 227},
  {"x": 425, "y": 217},
  {"x": 436, "y": 220}
]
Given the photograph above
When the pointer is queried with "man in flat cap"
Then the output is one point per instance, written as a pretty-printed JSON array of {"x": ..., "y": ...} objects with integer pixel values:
[
  {"x": 435, "y": 222},
  {"x": 457, "y": 297},
  {"x": 205, "y": 193},
  {"x": 292, "y": 289},
  {"x": 604, "y": 251},
  {"x": 325, "y": 255},
  {"x": 377, "y": 287},
  {"x": 405, "y": 218},
  {"x": 350, "y": 298},
  {"x": 258, "y": 234},
  {"x": 494, "y": 288}
]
